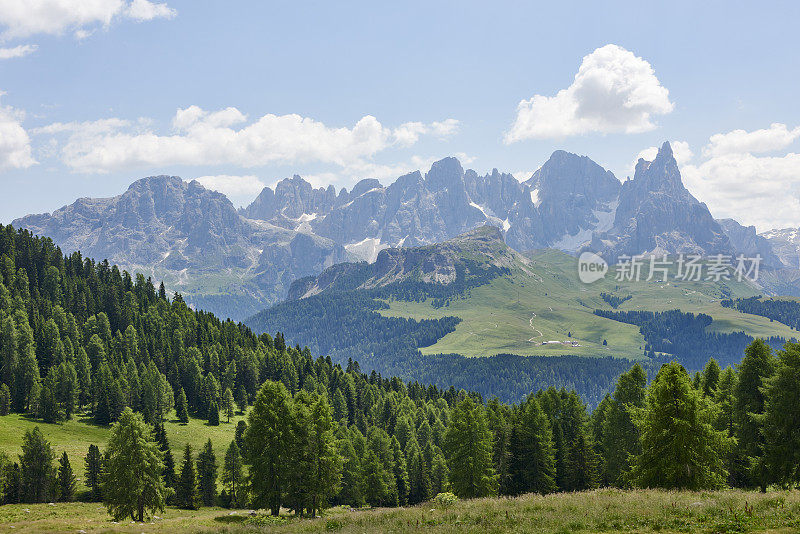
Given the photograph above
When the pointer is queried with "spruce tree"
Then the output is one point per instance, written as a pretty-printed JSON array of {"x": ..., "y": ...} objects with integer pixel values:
[
  {"x": 711, "y": 375},
  {"x": 93, "y": 472},
  {"x": 207, "y": 474},
  {"x": 468, "y": 446},
  {"x": 583, "y": 464},
  {"x": 228, "y": 405},
  {"x": 213, "y": 413},
  {"x": 66, "y": 479},
  {"x": 620, "y": 434},
  {"x": 268, "y": 442},
  {"x": 186, "y": 494},
  {"x": 781, "y": 419},
  {"x": 680, "y": 449},
  {"x": 233, "y": 476},
  {"x": 36, "y": 467},
  {"x": 533, "y": 454},
  {"x": 181, "y": 407},
  {"x": 327, "y": 464},
  {"x": 5, "y": 400}
]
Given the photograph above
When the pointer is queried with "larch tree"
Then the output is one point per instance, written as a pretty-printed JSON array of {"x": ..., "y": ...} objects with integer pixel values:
[
  {"x": 131, "y": 479},
  {"x": 468, "y": 446},
  {"x": 207, "y": 474},
  {"x": 186, "y": 494},
  {"x": 781, "y": 419},
  {"x": 233, "y": 476}
]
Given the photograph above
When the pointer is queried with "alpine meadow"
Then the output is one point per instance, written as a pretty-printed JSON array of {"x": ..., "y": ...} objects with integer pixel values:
[{"x": 272, "y": 267}]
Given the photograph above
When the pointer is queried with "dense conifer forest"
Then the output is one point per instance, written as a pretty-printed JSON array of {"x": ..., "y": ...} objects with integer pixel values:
[
  {"x": 783, "y": 311},
  {"x": 80, "y": 337}
]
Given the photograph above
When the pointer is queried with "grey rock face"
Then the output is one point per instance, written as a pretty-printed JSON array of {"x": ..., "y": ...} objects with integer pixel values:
[
  {"x": 746, "y": 241},
  {"x": 785, "y": 243},
  {"x": 657, "y": 214}
]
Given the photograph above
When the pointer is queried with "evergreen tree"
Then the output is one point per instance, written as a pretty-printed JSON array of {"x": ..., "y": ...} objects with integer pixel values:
[
  {"x": 621, "y": 440},
  {"x": 711, "y": 375},
  {"x": 233, "y": 476},
  {"x": 213, "y": 414},
  {"x": 48, "y": 405},
  {"x": 781, "y": 419},
  {"x": 583, "y": 463},
  {"x": 207, "y": 474},
  {"x": 327, "y": 465},
  {"x": 268, "y": 442},
  {"x": 228, "y": 405},
  {"x": 66, "y": 479},
  {"x": 679, "y": 447},
  {"x": 94, "y": 472},
  {"x": 131, "y": 477},
  {"x": 186, "y": 494},
  {"x": 36, "y": 467},
  {"x": 757, "y": 366},
  {"x": 352, "y": 492},
  {"x": 440, "y": 475},
  {"x": 12, "y": 484},
  {"x": 468, "y": 445},
  {"x": 181, "y": 407},
  {"x": 5, "y": 400},
  {"x": 533, "y": 463}
]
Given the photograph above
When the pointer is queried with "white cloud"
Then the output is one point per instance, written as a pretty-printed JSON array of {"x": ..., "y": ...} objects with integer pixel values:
[
  {"x": 224, "y": 137},
  {"x": 143, "y": 10},
  {"x": 613, "y": 91},
  {"x": 15, "y": 144},
  {"x": 55, "y": 17},
  {"x": 234, "y": 187},
  {"x": 776, "y": 137},
  {"x": 17, "y": 51}
]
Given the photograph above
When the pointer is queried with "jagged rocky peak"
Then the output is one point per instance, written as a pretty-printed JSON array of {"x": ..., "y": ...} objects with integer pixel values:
[
  {"x": 292, "y": 198},
  {"x": 444, "y": 174},
  {"x": 365, "y": 186},
  {"x": 565, "y": 173},
  {"x": 661, "y": 174},
  {"x": 745, "y": 240}
]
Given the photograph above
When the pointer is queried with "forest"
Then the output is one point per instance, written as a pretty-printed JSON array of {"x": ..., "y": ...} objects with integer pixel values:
[
  {"x": 783, "y": 311},
  {"x": 80, "y": 337},
  {"x": 683, "y": 336}
]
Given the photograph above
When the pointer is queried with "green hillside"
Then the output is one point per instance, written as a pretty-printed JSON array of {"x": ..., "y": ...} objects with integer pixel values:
[{"x": 543, "y": 300}]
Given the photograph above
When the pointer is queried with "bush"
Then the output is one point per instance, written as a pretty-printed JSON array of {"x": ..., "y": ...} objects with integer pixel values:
[{"x": 445, "y": 499}]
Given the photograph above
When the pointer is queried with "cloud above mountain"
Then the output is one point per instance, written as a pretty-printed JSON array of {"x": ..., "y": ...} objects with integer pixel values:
[
  {"x": 227, "y": 137},
  {"x": 15, "y": 143},
  {"x": 613, "y": 91},
  {"x": 736, "y": 181}
]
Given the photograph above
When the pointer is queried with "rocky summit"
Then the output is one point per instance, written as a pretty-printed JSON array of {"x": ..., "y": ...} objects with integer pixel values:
[{"x": 196, "y": 241}]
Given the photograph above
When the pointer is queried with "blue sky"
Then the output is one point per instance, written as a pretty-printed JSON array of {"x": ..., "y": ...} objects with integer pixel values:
[{"x": 242, "y": 94}]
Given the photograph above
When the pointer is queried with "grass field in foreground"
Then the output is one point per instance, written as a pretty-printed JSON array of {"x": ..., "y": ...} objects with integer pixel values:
[
  {"x": 544, "y": 301},
  {"x": 75, "y": 436},
  {"x": 594, "y": 511}
]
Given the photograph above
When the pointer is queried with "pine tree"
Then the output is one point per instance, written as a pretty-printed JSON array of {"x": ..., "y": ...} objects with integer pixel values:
[
  {"x": 533, "y": 464},
  {"x": 233, "y": 476},
  {"x": 131, "y": 479},
  {"x": 93, "y": 472},
  {"x": 268, "y": 442},
  {"x": 619, "y": 433},
  {"x": 781, "y": 419},
  {"x": 213, "y": 414},
  {"x": 181, "y": 407},
  {"x": 468, "y": 445},
  {"x": 207, "y": 474},
  {"x": 186, "y": 494},
  {"x": 36, "y": 467},
  {"x": 711, "y": 375},
  {"x": 228, "y": 405},
  {"x": 679, "y": 447},
  {"x": 757, "y": 366},
  {"x": 66, "y": 479},
  {"x": 583, "y": 463},
  {"x": 5, "y": 400}
]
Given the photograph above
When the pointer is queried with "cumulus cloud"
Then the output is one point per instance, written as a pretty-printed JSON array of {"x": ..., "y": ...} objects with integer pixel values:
[
  {"x": 17, "y": 51},
  {"x": 226, "y": 136},
  {"x": 15, "y": 144},
  {"x": 736, "y": 182},
  {"x": 21, "y": 19},
  {"x": 613, "y": 91},
  {"x": 776, "y": 137}
]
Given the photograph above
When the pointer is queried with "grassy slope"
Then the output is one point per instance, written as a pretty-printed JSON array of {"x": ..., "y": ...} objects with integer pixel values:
[
  {"x": 595, "y": 511},
  {"x": 499, "y": 317},
  {"x": 76, "y": 435}
]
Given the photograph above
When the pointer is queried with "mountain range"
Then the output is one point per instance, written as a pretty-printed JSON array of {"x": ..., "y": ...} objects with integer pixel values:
[{"x": 235, "y": 263}]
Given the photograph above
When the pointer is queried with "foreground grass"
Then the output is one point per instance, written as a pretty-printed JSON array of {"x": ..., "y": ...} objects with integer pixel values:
[{"x": 595, "y": 511}]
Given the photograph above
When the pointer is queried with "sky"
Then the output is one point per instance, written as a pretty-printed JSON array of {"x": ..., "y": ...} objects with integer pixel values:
[{"x": 99, "y": 93}]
